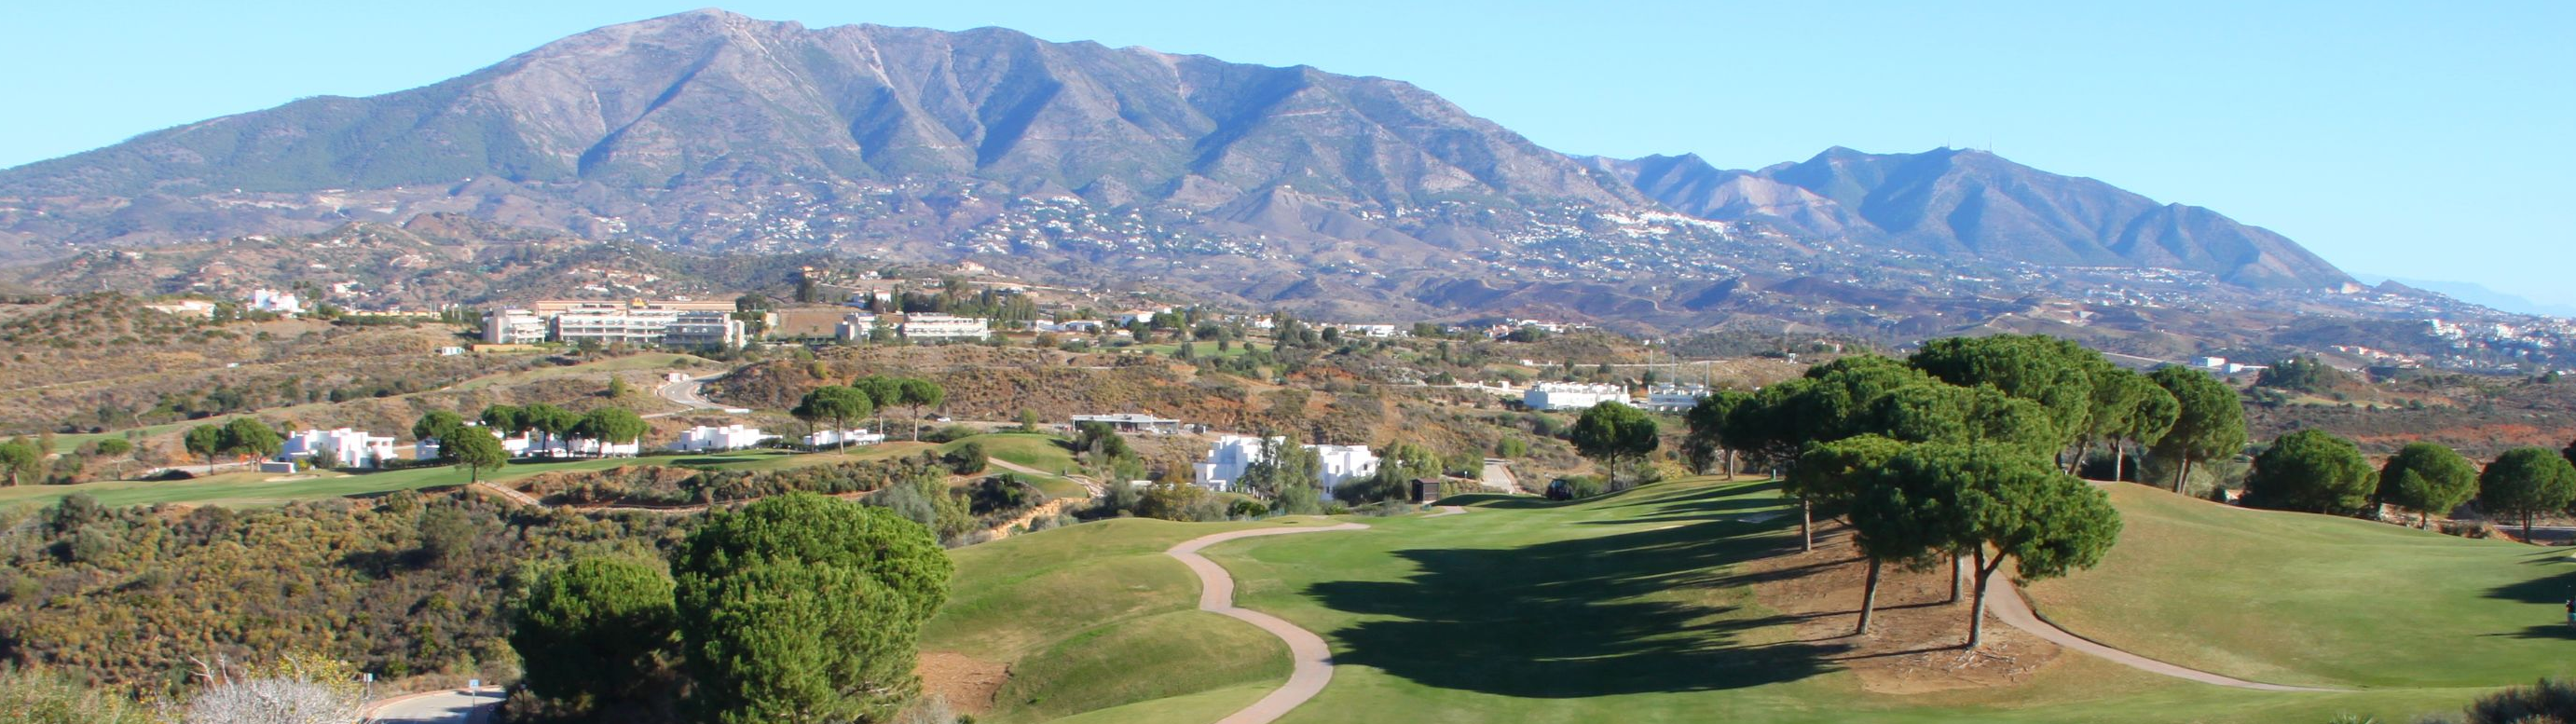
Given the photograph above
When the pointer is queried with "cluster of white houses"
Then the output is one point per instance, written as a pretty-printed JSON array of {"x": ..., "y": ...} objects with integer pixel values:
[
  {"x": 1582, "y": 396},
  {"x": 669, "y": 323},
  {"x": 1233, "y": 454}
]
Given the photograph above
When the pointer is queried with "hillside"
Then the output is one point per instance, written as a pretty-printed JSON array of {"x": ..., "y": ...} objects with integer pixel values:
[{"x": 1974, "y": 203}]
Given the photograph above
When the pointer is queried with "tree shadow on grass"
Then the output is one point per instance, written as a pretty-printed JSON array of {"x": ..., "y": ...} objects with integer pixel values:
[
  {"x": 1564, "y": 619},
  {"x": 2553, "y": 588}
]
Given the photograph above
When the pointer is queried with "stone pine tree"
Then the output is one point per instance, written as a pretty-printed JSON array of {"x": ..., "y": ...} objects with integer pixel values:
[
  {"x": 918, "y": 393},
  {"x": 1997, "y": 504},
  {"x": 595, "y": 634},
  {"x": 884, "y": 393},
  {"x": 437, "y": 425},
  {"x": 204, "y": 441},
  {"x": 2053, "y": 372},
  {"x": 2311, "y": 471},
  {"x": 611, "y": 425},
  {"x": 805, "y": 609},
  {"x": 1614, "y": 434},
  {"x": 2526, "y": 482},
  {"x": 1834, "y": 475},
  {"x": 1706, "y": 442},
  {"x": 2427, "y": 478},
  {"x": 248, "y": 436},
  {"x": 836, "y": 403},
  {"x": 475, "y": 452},
  {"x": 2209, "y": 423}
]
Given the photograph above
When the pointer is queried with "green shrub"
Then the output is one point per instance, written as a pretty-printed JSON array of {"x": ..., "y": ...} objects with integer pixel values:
[{"x": 2549, "y": 700}]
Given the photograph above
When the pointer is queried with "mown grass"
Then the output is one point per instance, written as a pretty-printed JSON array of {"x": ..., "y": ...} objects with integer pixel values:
[
  {"x": 2309, "y": 599},
  {"x": 1632, "y": 608},
  {"x": 1094, "y": 616},
  {"x": 257, "y": 489}
]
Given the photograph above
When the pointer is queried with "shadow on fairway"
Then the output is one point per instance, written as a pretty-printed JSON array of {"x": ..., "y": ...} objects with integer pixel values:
[
  {"x": 2551, "y": 589},
  {"x": 1561, "y": 619}
]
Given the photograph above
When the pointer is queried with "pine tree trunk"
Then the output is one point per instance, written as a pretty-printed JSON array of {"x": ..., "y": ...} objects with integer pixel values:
[
  {"x": 1977, "y": 613},
  {"x": 1954, "y": 580},
  {"x": 2076, "y": 467},
  {"x": 1807, "y": 526},
  {"x": 2526, "y": 527},
  {"x": 2119, "y": 459},
  {"x": 1868, "y": 598}
]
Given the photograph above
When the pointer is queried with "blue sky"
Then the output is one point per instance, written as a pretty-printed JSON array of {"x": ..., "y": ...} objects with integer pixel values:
[{"x": 2411, "y": 139}]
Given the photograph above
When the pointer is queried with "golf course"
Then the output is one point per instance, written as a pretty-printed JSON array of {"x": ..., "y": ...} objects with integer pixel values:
[{"x": 1671, "y": 603}]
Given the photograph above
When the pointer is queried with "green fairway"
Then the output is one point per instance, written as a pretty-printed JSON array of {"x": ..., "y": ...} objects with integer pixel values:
[
  {"x": 2310, "y": 599},
  {"x": 1095, "y": 616},
  {"x": 251, "y": 489},
  {"x": 1027, "y": 449},
  {"x": 1628, "y": 608}
]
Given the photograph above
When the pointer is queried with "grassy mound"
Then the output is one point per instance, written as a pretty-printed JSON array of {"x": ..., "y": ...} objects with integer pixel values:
[
  {"x": 2307, "y": 599},
  {"x": 1095, "y": 617}
]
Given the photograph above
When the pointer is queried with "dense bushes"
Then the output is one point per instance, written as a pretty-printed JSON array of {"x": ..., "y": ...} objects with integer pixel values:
[{"x": 129, "y": 595}]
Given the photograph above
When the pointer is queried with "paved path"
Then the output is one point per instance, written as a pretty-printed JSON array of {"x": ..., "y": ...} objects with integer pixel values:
[
  {"x": 1313, "y": 660},
  {"x": 455, "y": 706},
  {"x": 1087, "y": 483},
  {"x": 690, "y": 392},
  {"x": 2008, "y": 606},
  {"x": 1498, "y": 474}
]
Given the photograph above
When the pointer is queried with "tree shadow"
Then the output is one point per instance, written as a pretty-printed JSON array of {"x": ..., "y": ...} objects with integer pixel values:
[
  {"x": 1565, "y": 619},
  {"x": 2556, "y": 588}
]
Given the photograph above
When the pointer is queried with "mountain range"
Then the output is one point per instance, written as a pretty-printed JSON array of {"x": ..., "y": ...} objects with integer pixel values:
[{"x": 712, "y": 130}]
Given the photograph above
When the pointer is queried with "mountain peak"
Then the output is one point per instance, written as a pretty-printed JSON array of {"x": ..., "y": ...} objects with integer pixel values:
[{"x": 1973, "y": 202}]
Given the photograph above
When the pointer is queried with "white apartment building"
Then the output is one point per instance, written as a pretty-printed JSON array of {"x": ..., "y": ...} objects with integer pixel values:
[
  {"x": 838, "y": 438},
  {"x": 670, "y": 324},
  {"x": 1233, "y": 454},
  {"x": 705, "y": 438},
  {"x": 513, "y": 326},
  {"x": 855, "y": 327},
  {"x": 944, "y": 327},
  {"x": 198, "y": 308},
  {"x": 1571, "y": 395},
  {"x": 703, "y": 329},
  {"x": 351, "y": 448},
  {"x": 1674, "y": 398}
]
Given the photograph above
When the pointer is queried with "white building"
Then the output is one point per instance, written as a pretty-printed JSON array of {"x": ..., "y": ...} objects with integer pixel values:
[
  {"x": 944, "y": 327},
  {"x": 270, "y": 300},
  {"x": 670, "y": 324},
  {"x": 855, "y": 327},
  {"x": 1674, "y": 398},
  {"x": 1132, "y": 422},
  {"x": 837, "y": 438},
  {"x": 351, "y": 448},
  {"x": 730, "y": 437},
  {"x": 198, "y": 308},
  {"x": 2210, "y": 363},
  {"x": 1232, "y": 454},
  {"x": 513, "y": 326},
  {"x": 1571, "y": 395}
]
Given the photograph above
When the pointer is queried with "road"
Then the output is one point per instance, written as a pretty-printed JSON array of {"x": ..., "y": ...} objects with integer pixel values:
[
  {"x": 690, "y": 392},
  {"x": 439, "y": 707},
  {"x": 1498, "y": 474}
]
